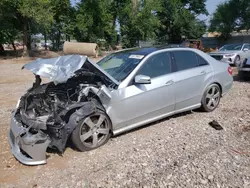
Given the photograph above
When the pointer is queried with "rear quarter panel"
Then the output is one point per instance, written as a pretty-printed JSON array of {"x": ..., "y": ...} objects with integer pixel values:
[{"x": 220, "y": 73}]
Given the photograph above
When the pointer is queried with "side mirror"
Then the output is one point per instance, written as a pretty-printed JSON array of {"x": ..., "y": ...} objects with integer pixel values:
[
  {"x": 142, "y": 79},
  {"x": 245, "y": 49}
]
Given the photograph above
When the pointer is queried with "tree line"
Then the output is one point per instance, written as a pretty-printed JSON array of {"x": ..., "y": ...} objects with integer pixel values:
[
  {"x": 232, "y": 15},
  {"x": 101, "y": 20}
]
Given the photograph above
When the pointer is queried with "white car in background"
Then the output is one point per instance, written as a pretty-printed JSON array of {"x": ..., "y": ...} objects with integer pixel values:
[
  {"x": 244, "y": 68},
  {"x": 233, "y": 54}
]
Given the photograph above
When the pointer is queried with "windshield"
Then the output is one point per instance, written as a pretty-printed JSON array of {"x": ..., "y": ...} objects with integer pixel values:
[
  {"x": 120, "y": 65},
  {"x": 231, "y": 47}
]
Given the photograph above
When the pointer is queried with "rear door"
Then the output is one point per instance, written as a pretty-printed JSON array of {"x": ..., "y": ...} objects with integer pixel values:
[{"x": 190, "y": 77}]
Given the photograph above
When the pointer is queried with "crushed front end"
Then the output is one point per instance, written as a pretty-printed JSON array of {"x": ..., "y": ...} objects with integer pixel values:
[
  {"x": 28, "y": 148},
  {"x": 47, "y": 114}
]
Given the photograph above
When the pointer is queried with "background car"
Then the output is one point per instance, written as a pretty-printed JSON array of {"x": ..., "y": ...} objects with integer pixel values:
[
  {"x": 232, "y": 53},
  {"x": 244, "y": 68}
]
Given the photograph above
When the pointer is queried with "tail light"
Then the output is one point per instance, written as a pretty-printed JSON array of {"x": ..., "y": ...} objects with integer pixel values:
[{"x": 230, "y": 70}]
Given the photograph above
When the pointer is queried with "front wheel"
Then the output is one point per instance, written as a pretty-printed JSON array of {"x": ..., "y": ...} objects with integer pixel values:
[
  {"x": 211, "y": 98},
  {"x": 92, "y": 132}
]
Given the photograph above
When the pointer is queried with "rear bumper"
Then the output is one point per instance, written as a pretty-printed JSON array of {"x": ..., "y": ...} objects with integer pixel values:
[{"x": 29, "y": 149}]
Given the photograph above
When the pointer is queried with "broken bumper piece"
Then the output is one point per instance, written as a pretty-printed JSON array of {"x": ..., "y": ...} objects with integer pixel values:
[{"x": 28, "y": 148}]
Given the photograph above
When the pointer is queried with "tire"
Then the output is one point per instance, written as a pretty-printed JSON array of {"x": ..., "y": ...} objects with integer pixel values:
[
  {"x": 211, "y": 98},
  {"x": 237, "y": 60},
  {"x": 92, "y": 132}
]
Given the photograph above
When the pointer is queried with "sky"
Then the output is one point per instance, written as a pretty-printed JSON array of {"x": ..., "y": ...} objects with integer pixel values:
[
  {"x": 212, "y": 4},
  {"x": 73, "y": 2},
  {"x": 211, "y": 7}
]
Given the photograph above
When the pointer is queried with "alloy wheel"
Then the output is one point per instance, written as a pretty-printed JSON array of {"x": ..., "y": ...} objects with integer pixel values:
[
  {"x": 94, "y": 130},
  {"x": 213, "y": 97}
]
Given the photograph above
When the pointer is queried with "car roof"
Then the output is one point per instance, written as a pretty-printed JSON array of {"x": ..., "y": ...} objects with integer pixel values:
[{"x": 148, "y": 50}]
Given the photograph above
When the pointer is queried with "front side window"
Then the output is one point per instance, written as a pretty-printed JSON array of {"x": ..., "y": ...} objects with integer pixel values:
[
  {"x": 120, "y": 65},
  {"x": 157, "y": 65},
  {"x": 185, "y": 60}
]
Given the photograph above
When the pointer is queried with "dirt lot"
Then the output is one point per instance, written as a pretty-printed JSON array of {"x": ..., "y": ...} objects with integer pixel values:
[{"x": 180, "y": 151}]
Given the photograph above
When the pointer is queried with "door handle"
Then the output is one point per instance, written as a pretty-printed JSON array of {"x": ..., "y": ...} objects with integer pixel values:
[
  {"x": 170, "y": 82},
  {"x": 204, "y": 72}
]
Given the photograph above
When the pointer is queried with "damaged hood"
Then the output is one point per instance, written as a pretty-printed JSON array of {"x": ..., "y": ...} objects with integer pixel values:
[{"x": 61, "y": 68}]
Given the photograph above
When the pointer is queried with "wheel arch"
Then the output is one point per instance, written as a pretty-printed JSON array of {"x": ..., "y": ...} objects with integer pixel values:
[
  {"x": 76, "y": 131},
  {"x": 99, "y": 102},
  {"x": 217, "y": 83},
  {"x": 210, "y": 83}
]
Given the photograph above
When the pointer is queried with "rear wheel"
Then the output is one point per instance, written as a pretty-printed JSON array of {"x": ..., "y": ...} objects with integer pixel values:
[
  {"x": 211, "y": 98},
  {"x": 92, "y": 132}
]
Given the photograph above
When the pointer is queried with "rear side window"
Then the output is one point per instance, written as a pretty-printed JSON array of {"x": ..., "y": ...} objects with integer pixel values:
[
  {"x": 202, "y": 61},
  {"x": 185, "y": 60},
  {"x": 157, "y": 65}
]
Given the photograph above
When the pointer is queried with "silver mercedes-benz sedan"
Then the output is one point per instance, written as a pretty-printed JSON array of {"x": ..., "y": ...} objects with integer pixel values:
[
  {"x": 89, "y": 102},
  {"x": 233, "y": 54}
]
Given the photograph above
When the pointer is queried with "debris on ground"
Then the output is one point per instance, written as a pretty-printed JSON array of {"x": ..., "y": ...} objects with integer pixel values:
[{"x": 215, "y": 125}]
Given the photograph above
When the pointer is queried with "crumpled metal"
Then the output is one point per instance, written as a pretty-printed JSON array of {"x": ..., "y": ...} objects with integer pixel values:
[{"x": 58, "y": 69}]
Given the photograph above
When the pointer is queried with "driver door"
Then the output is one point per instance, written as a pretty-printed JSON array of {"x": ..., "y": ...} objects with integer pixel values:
[{"x": 140, "y": 103}]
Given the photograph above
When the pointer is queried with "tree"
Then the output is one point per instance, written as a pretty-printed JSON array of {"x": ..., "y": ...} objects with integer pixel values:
[
  {"x": 9, "y": 27},
  {"x": 138, "y": 21},
  {"x": 226, "y": 18},
  {"x": 196, "y": 7},
  {"x": 63, "y": 19},
  {"x": 94, "y": 21},
  {"x": 37, "y": 12},
  {"x": 21, "y": 15},
  {"x": 178, "y": 20},
  {"x": 97, "y": 20},
  {"x": 244, "y": 17},
  {"x": 233, "y": 15}
]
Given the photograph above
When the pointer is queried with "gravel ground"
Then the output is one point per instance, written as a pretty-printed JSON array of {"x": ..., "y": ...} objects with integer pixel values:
[{"x": 180, "y": 151}]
